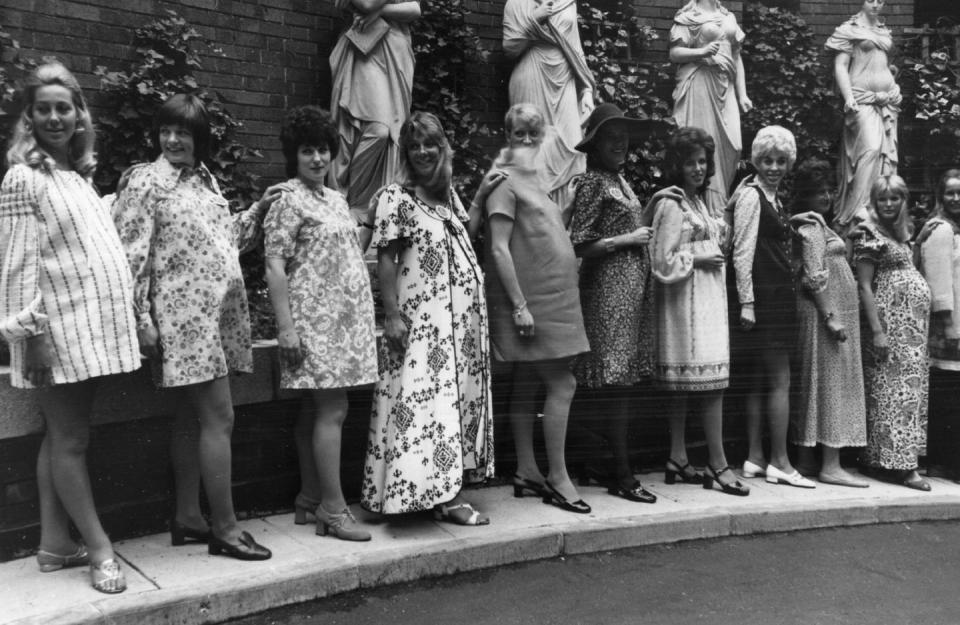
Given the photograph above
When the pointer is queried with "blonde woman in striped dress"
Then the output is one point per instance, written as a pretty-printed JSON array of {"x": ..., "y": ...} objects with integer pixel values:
[{"x": 65, "y": 308}]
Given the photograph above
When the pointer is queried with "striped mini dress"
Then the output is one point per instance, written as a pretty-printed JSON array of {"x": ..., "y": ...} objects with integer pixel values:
[{"x": 63, "y": 272}]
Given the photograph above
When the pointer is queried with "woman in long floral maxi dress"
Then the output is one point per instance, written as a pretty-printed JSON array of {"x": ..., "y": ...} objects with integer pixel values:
[
  {"x": 432, "y": 426},
  {"x": 896, "y": 304}
]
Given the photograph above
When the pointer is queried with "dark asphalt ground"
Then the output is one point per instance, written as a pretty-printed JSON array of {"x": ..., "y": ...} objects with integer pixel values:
[{"x": 901, "y": 574}]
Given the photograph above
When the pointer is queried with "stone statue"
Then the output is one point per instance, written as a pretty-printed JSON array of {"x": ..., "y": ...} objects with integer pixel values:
[
  {"x": 711, "y": 85},
  {"x": 552, "y": 74},
  {"x": 871, "y": 104},
  {"x": 372, "y": 66}
]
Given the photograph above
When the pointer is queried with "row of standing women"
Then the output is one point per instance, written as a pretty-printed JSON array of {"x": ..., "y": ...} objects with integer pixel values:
[{"x": 82, "y": 293}]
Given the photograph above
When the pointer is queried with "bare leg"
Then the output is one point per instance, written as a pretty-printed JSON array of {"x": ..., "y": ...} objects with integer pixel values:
[
  {"x": 331, "y": 410},
  {"x": 711, "y": 411},
  {"x": 66, "y": 411},
  {"x": 807, "y": 460},
  {"x": 525, "y": 385},
  {"x": 213, "y": 405},
  {"x": 618, "y": 434},
  {"x": 753, "y": 404},
  {"x": 303, "y": 433},
  {"x": 54, "y": 522},
  {"x": 184, "y": 455},
  {"x": 777, "y": 365},
  {"x": 561, "y": 385},
  {"x": 677, "y": 418}
]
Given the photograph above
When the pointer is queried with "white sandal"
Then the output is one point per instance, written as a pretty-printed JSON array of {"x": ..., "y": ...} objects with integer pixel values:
[{"x": 442, "y": 512}]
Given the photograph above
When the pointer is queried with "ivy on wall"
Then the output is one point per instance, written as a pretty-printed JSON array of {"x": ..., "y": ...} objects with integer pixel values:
[
  {"x": 788, "y": 82},
  {"x": 615, "y": 43},
  {"x": 445, "y": 46}
]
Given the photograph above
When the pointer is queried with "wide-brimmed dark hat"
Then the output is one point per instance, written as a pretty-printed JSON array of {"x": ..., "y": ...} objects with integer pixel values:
[{"x": 607, "y": 112}]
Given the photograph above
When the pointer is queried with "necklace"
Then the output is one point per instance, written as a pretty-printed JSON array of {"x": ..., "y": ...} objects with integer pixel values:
[{"x": 440, "y": 211}]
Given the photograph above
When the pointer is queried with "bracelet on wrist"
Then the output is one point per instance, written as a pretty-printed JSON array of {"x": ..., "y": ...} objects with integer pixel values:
[
  {"x": 520, "y": 308},
  {"x": 610, "y": 245}
]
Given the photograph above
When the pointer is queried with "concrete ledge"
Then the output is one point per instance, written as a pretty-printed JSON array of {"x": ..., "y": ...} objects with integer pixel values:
[{"x": 185, "y": 586}]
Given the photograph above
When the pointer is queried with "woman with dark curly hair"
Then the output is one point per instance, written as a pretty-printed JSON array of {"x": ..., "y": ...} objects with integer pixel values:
[
  {"x": 693, "y": 355},
  {"x": 320, "y": 292}
]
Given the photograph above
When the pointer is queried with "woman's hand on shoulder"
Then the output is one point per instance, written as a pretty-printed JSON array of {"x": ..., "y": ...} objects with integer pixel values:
[
  {"x": 273, "y": 193},
  {"x": 395, "y": 333},
  {"x": 673, "y": 192},
  {"x": 928, "y": 227},
  {"x": 290, "y": 348},
  {"x": 490, "y": 182},
  {"x": 37, "y": 360}
]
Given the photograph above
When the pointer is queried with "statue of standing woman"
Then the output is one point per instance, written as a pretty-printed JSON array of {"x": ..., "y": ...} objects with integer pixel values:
[
  {"x": 711, "y": 86},
  {"x": 372, "y": 66},
  {"x": 552, "y": 74},
  {"x": 871, "y": 104}
]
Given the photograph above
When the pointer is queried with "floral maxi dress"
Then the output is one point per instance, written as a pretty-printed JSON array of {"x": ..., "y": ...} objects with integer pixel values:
[
  {"x": 896, "y": 389},
  {"x": 432, "y": 419}
]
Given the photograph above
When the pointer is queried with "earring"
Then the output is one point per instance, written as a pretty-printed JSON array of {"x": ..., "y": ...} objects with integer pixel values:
[{"x": 28, "y": 126}]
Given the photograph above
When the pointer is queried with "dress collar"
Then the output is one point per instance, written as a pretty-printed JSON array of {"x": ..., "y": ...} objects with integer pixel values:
[{"x": 171, "y": 175}]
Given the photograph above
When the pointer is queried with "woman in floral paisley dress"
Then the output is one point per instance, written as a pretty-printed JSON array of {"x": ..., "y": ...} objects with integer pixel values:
[
  {"x": 321, "y": 295},
  {"x": 896, "y": 307},
  {"x": 610, "y": 231},
  {"x": 182, "y": 245},
  {"x": 432, "y": 425}
]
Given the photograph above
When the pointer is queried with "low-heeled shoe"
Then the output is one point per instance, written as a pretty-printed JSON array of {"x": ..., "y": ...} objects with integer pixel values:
[{"x": 246, "y": 549}]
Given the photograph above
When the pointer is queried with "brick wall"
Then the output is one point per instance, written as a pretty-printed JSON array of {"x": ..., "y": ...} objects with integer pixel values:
[{"x": 275, "y": 51}]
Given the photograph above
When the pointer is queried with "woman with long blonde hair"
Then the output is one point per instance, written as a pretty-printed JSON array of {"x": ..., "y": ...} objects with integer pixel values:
[{"x": 66, "y": 308}]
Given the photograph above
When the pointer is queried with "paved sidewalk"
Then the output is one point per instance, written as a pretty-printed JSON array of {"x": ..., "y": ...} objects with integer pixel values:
[{"x": 184, "y": 585}]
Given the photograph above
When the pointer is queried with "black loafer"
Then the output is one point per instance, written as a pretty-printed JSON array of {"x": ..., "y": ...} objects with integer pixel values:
[
  {"x": 247, "y": 549},
  {"x": 636, "y": 492}
]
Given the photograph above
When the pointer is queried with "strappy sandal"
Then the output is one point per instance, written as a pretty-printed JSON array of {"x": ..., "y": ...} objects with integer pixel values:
[
  {"x": 50, "y": 562},
  {"x": 443, "y": 512},
  {"x": 107, "y": 577},
  {"x": 732, "y": 488},
  {"x": 686, "y": 473}
]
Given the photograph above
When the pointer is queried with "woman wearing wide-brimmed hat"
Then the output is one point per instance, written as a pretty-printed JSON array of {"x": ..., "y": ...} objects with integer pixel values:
[{"x": 610, "y": 230}]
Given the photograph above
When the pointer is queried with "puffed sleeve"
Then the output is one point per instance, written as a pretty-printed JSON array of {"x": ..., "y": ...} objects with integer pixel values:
[
  {"x": 746, "y": 223},
  {"x": 134, "y": 215},
  {"x": 937, "y": 260},
  {"x": 390, "y": 222},
  {"x": 814, "y": 273},
  {"x": 282, "y": 227},
  {"x": 587, "y": 204},
  {"x": 669, "y": 263},
  {"x": 869, "y": 248},
  {"x": 502, "y": 201},
  {"x": 21, "y": 304}
]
